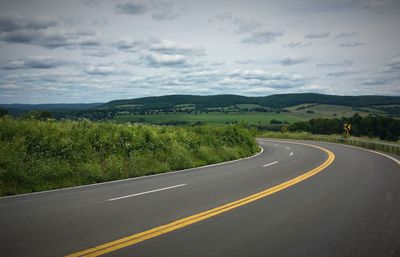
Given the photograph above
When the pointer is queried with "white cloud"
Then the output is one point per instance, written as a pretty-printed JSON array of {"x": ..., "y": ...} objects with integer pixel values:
[
  {"x": 158, "y": 60},
  {"x": 351, "y": 44},
  {"x": 102, "y": 50},
  {"x": 343, "y": 63},
  {"x": 35, "y": 62},
  {"x": 292, "y": 60},
  {"x": 159, "y": 10},
  {"x": 262, "y": 37},
  {"x": 317, "y": 35},
  {"x": 297, "y": 44},
  {"x": 174, "y": 48},
  {"x": 8, "y": 86},
  {"x": 131, "y": 8}
]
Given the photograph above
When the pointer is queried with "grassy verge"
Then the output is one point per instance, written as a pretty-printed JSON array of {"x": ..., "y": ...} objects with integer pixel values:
[
  {"x": 43, "y": 155},
  {"x": 373, "y": 144},
  {"x": 291, "y": 135}
]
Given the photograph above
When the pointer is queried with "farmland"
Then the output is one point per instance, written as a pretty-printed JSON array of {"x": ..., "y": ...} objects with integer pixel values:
[
  {"x": 245, "y": 113},
  {"x": 211, "y": 118}
]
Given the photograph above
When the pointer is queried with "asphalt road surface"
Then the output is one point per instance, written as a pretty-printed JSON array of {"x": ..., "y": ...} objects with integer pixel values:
[{"x": 349, "y": 208}]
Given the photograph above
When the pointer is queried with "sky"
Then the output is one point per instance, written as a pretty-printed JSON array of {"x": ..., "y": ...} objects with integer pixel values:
[{"x": 82, "y": 51}]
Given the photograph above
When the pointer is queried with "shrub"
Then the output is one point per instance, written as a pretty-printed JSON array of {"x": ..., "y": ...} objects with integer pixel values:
[{"x": 40, "y": 155}]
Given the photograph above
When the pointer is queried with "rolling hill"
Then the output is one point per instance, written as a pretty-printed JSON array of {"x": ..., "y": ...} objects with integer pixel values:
[
  {"x": 222, "y": 109},
  {"x": 272, "y": 101}
]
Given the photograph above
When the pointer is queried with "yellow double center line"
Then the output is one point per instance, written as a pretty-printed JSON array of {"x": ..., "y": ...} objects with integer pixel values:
[{"x": 157, "y": 231}]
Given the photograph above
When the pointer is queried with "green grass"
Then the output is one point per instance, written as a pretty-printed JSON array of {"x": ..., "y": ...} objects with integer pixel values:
[
  {"x": 287, "y": 135},
  {"x": 185, "y": 106},
  {"x": 324, "y": 111},
  {"x": 250, "y": 106},
  {"x": 42, "y": 155},
  {"x": 232, "y": 116},
  {"x": 210, "y": 118}
]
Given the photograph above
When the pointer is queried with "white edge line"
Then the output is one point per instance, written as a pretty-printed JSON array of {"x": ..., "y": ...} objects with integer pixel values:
[
  {"x": 269, "y": 164},
  {"x": 345, "y": 145},
  {"x": 135, "y": 178},
  {"x": 388, "y": 156},
  {"x": 365, "y": 149},
  {"x": 147, "y": 192}
]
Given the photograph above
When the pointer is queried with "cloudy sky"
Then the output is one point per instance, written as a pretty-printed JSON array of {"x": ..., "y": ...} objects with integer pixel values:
[{"x": 100, "y": 50}]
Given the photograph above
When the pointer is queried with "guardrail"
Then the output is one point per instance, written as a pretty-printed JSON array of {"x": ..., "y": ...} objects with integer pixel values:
[{"x": 373, "y": 145}]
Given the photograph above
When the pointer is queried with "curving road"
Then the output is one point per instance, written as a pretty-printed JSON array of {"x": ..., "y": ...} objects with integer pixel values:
[{"x": 350, "y": 207}]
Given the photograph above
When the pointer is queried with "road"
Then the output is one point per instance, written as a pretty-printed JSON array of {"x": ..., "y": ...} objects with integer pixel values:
[{"x": 350, "y": 207}]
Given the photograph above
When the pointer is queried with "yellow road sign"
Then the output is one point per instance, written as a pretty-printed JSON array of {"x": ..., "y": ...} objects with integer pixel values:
[{"x": 347, "y": 128}]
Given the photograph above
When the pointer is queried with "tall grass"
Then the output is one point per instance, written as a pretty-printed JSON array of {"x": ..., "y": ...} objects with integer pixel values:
[
  {"x": 287, "y": 135},
  {"x": 42, "y": 155}
]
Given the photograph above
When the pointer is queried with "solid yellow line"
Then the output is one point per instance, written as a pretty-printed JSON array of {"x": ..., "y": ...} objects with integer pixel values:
[{"x": 157, "y": 231}]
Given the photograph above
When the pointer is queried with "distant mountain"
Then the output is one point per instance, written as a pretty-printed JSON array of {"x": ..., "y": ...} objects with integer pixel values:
[
  {"x": 172, "y": 100},
  {"x": 29, "y": 107},
  {"x": 272, "y": 101},
  {"x": 176, "y": 102}
]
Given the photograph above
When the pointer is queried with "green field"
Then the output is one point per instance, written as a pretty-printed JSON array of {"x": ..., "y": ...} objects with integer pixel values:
[
  {"x": 211, "y": 118},
  {"x": 290, "y": 114},
  {"x": 311, "y": 111},
  {"x": 248, "y": 106}
]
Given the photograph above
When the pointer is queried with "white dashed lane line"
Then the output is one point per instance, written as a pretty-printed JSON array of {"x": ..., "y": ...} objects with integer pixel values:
[
  {"x": 269, "y": 164},
  {"x": 147, "y": 192}
]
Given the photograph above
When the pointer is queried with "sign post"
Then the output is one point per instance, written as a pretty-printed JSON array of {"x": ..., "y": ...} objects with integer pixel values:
[{"x": 347, "y": 128}]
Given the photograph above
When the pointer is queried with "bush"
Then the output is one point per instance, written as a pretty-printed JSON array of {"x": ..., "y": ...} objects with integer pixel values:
[
  {"x": 41, "y": 155},
  {"x": 273, "y": 121},
  {"x": 3, "y": 112},
  {"x": 38, "y": 115}
]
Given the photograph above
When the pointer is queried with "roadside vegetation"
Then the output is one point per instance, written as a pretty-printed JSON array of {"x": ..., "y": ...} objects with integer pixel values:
[
  {"x": 380, "y": 127},
  {"x": 53, "y": 146},
  {"x": 286, "y": 135},
  {"x": 372, "y": 132},
  {"x": 38, "y": 155}
]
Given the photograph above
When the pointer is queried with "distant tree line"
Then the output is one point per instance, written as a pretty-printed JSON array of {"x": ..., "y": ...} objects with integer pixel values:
[
  {"x": 3, "y": 112},
  {"x": 372, "y": 126},
  {"x": 391, "y": 110},
  {"x": 35, "y": 114},
  {"x": 93, "y": 114}
]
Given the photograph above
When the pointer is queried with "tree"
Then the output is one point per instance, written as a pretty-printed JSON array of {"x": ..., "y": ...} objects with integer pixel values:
[
  {"x": 38, "y": 115},
  {"x": 3, "y": 112},
  {"x": 372, "y": 126},
  {"x": 273, "y": 121}
]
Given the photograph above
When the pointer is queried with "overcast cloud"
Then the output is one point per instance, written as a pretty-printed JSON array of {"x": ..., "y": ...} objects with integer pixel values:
[{"x": 98, "y": 50}]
